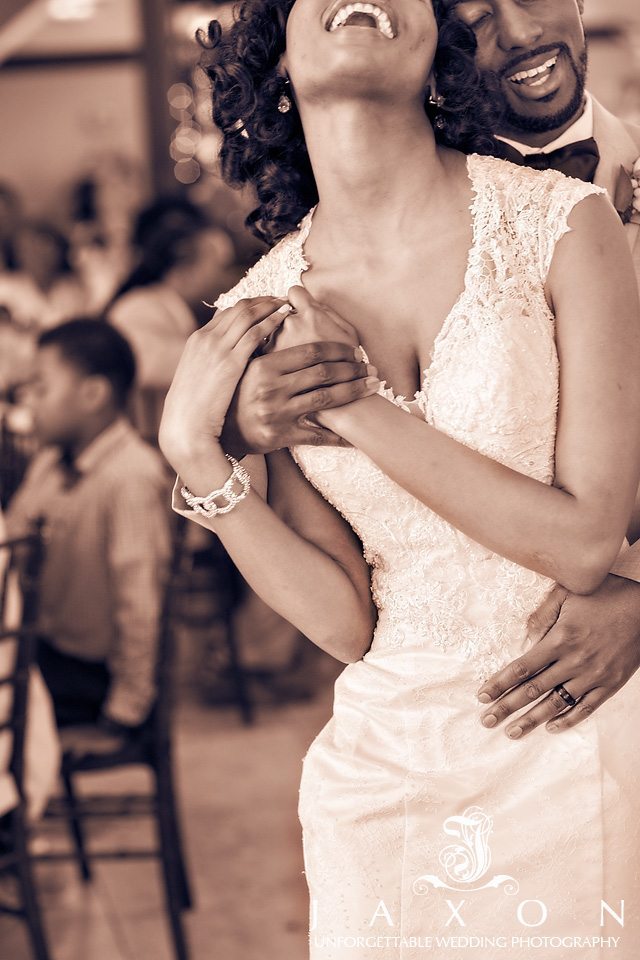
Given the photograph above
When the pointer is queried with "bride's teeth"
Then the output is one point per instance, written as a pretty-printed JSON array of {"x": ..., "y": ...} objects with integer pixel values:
[{"x": 382, "y": 19}]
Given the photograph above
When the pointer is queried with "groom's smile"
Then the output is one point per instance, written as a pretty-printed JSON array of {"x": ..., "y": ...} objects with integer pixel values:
[{"x": 537, "y": 53}]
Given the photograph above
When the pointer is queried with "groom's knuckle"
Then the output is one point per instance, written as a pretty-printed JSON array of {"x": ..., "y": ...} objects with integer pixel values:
[
  {"x": 584, "y": 709},
  {"x": 321, "y": 398},
  {"x": 501, "y": 711},
  {"x": 556, "y": 639},
  {"x": 557, "y": 700},
  {"x": 533, "y": 690},
  {"x": 312, "y": 353},
  {"x": 519, "y": 669},
  {"x": 534, "y": 621},
  {"x": 570, "y": 629},
  {"x": 323, "y": 372}
]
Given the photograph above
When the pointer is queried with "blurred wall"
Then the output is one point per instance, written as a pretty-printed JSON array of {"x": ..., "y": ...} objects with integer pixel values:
[
  {"x": 56, "y": 121},
  {"x": 57, "y": 118}
]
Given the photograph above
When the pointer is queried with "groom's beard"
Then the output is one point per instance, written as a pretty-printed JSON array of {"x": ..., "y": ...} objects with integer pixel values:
[{"x": 510, "y": 118}]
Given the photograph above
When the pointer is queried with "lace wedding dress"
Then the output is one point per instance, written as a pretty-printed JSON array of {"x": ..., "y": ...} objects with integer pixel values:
[{"x": 424, "y": 833}]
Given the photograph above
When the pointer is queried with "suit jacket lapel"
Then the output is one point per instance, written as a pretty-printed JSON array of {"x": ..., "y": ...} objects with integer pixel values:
[{"x": 617, "y": 148}]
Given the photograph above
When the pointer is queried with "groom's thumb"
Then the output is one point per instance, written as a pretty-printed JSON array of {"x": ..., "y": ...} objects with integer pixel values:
[{"x": 545, "y": 617}]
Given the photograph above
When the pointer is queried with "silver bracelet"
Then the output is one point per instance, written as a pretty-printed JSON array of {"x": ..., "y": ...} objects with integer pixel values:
[{"x": 207, "y": 506}]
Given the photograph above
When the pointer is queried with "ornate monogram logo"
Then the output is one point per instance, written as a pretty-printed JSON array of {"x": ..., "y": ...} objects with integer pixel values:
[{"x": 468, "y": 861}]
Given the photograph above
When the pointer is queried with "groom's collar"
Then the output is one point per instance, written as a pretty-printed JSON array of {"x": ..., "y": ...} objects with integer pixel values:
[{"x": 580, "y": 129}]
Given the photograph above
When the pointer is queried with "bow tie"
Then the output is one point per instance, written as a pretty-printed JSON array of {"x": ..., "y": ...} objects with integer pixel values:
[{"x": 579, "y": 160}]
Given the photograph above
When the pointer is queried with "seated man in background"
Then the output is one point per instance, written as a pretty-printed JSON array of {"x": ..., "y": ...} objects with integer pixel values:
[{"x": 103, "y": 494}]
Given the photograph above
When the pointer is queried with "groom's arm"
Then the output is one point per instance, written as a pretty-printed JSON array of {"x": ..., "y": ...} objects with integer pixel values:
[
  {"x": 590, "y": 642},
  {"x": 593, "y": 641}
]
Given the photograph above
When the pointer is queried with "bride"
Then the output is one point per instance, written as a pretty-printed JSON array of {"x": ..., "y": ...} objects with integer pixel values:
[{"x": 499, "y": 453}]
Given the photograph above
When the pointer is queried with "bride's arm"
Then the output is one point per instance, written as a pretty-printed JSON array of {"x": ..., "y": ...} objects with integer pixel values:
[
  {"x": 295, "y": 550},
  {"x": 571, "y": 531},
  {"x": 310, "y": 569}
]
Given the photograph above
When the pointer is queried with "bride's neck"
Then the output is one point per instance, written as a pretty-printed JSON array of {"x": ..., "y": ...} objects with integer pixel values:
[{"x": 375, "y": 165}]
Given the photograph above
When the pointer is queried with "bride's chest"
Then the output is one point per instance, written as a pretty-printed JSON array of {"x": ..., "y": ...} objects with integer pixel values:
[{"x": 398, "y": 315}]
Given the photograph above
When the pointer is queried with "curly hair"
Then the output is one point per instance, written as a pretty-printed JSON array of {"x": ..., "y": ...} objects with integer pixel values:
[{"x": 266, "y": 148}]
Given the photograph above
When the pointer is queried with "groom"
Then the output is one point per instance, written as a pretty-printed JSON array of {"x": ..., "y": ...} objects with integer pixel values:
[
  {"x": 537, "y": 53},
  {"x": 591, "y": 644}
]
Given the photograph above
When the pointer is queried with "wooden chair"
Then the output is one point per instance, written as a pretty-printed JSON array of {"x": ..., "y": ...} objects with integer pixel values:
[
  {"x": 151, "y": 748},
  {"x": 26, "y": 553}
]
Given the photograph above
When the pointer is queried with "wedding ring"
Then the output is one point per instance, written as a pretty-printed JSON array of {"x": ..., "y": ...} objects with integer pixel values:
[{"x": 566, "y": 696}]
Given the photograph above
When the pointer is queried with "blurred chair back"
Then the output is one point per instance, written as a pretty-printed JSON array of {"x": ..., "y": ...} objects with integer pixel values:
[
  {"x": 20, "y": 559},
  {"x": 18, "y": 627}
]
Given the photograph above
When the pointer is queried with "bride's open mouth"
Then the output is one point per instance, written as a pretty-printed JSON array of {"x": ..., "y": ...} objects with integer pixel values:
[{"x": 372, "y": 15}]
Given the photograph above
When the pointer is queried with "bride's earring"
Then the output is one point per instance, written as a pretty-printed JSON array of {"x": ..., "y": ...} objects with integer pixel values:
[
  {"x": 284, "y": 103},
  {"x": 437, "y": 101}
]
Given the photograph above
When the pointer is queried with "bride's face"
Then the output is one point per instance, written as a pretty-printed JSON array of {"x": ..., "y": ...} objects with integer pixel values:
[{"x": 343, "y": 49}]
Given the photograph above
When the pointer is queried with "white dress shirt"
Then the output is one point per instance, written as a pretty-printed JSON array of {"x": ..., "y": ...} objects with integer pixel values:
[{"x": 581, "y": 129}]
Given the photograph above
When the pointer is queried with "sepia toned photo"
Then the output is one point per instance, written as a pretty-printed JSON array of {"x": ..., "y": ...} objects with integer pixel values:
[{"x": 319, "y": 480}]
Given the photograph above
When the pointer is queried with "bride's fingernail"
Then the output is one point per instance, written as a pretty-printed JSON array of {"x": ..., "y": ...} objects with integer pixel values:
[
  {"x": 284, "y": 309},
  {"x": 484, "y": 698},
  {"x": 372, "y": 382},
  {"x": 371, "y": 370}
]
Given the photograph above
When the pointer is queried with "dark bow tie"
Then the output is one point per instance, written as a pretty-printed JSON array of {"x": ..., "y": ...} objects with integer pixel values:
[{"x": 579, "y": 160}]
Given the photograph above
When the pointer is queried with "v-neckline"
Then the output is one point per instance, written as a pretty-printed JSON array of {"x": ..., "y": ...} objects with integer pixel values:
[{"x": 419, "y": 396}]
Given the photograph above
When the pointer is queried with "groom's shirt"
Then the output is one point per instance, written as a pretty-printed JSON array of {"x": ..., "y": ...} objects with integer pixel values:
[
  {"x": 580, "y": 129},
  {"x": 627, "y": 564}
]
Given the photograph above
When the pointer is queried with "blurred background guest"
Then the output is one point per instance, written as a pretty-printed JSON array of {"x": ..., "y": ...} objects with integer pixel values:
[
  {"x": 103, "y": 494},
  {"x": 42, "y": 289},
  {"x": 182, "y": 262},
  {"x": 16, "y": 353}
]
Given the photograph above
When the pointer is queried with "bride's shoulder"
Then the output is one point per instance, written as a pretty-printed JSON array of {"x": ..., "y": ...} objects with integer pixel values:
[
  {"x": 522, "y": 189},
  {"x": 275, "y": 272}
]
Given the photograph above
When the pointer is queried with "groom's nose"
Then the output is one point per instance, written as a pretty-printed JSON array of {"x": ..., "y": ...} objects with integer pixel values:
[{"x": 519, "y": 26}]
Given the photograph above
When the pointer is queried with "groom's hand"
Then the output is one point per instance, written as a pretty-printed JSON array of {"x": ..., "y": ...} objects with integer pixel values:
[
  {"x": 591, "y": 644},
  {"x": 279, "y": 393}
]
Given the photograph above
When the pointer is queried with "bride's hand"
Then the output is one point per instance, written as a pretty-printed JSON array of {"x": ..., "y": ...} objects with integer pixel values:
[
  {"x": 312, "y": 322},
  {"x": 211, "y": 365}
]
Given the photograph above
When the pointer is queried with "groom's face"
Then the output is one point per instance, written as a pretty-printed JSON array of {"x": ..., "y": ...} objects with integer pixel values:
[{"x": 537, "y": 51}]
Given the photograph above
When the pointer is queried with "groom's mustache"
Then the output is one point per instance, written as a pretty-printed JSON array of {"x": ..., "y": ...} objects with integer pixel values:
[{"x": 510, "y": 68}]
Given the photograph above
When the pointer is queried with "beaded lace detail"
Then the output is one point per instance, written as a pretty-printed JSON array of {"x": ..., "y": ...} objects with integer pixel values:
[{"x": 492, "y": 384}]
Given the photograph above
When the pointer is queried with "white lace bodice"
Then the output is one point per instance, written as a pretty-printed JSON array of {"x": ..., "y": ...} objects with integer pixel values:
[{"x": 492, "y": 384}]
